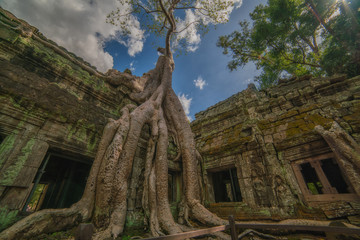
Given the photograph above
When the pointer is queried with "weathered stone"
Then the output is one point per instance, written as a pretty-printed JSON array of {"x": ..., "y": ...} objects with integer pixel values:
[
  {"x": 266, "y": 174},
  {"x": 50, "y": 102},
  {"x": 337, "y": 209},
  {"x": 84, "y": 231}
]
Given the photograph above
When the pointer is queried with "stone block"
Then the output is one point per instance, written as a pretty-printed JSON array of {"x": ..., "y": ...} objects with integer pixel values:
[
  {"x": 292, "y": 95},
  {"x": 268, "y": 139},
  {"x": 337, "y": 209},
  {"x": 275, "y": 109},
  {"x": 268, "y": 131},
  {"x": 279, "y": 136},
  {"x": 14, "y": 197},
  {"x": 355, "y": 220},
  {"x": 282, "y": 127},
  {"x": 286, "y": 105},
  {"x": 84, "y": 231}
]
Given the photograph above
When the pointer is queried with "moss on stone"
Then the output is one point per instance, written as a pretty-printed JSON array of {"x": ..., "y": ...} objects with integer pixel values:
[
  {"x": 6, "y": 147},
  {"x": 84, "y": 132},
  {"x": 8, "y": 217},
  {"x": 57, "y": 62},
  {"x": 8, "y": 35},
  {"x": 265, "y": 212},
  {"x": 134, "y": 220},
  {"x": 288, "y": 114},
  {"x": 172, "y": 149},
  {"x": 12, "y": 172},
  {"x": 306, "y": 123},
  {"x": 317, "y": 119},
  {"x": 308, "y": 108}
]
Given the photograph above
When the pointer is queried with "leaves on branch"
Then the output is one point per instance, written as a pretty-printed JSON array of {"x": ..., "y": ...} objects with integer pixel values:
[
  {"x": 187, "y": 20},
  {"x": 296, "y": 37}
]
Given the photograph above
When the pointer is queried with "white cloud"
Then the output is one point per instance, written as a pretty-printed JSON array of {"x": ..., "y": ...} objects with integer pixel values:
[
  {"x": 222, "y": 12},
  {"x": 136, "y": 36},
  {"x": 187, "y": 27},
  {"x": 189, "y": 34},
  {"x": 200, "y": 82},
  {"x": 79, "y": 26},
  {"x": 132, "y": 67},
  {"x": 185, "y": 102}
]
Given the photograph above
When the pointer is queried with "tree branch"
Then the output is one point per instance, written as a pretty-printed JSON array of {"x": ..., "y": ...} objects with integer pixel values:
[
  {"x": 188, "y": 25},
  {"x": 171, "y": 29}
]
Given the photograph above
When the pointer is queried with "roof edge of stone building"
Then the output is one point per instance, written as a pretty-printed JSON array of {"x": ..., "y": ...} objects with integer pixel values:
[
  {"x": 25, "y": 29},
  {"x": 273, "y": 91}
]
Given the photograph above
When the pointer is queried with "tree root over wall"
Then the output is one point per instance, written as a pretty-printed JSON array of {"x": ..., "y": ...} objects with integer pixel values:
[{"x": 104, "y": 200}]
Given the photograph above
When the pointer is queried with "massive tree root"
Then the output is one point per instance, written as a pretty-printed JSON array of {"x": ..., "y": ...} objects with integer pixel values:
[{"x": 104, "y": 199}]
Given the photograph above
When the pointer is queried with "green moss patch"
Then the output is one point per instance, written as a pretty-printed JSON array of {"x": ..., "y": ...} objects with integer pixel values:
[{"x": 12, "y": 172}]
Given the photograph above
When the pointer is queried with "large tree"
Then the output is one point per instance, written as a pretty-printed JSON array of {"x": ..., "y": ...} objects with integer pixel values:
[
  {"x": 296, "y": 37},
  {"x": 104, "y": 200},
  {"x": 342, "y": 40}
]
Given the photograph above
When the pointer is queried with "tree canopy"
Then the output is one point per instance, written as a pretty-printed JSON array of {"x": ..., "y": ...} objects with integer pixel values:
[
  {"x": 182, "y": 22},
  {"x": 297, "y": 37}
]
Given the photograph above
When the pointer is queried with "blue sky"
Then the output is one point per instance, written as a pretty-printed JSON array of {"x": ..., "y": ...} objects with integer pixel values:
[{"x": 79, "y": 26}]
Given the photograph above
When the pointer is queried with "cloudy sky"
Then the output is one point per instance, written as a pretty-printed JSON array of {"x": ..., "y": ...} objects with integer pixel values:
[{"x": 201, "y": 77}]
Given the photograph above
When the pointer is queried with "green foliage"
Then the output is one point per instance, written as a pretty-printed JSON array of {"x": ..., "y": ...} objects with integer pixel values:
[
  {"x": 296, "y": 37},
  {"x": 177, "y": 21},
  {"x": 7, "y": 217},
  {"x": 342, "y": 54},
  {"x": 128, "y": 71},
  {"x": 11, "y": 173}
]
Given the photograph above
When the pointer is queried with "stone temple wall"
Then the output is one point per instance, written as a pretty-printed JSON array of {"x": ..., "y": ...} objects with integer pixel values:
[
  {"x": 262, "y": 158},
  {"x": 51, "y": 105},
  {"x": 283, "y": 167}
]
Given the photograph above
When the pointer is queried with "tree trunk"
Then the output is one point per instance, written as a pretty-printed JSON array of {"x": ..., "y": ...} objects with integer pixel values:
[{"x": 104, "y": 200}]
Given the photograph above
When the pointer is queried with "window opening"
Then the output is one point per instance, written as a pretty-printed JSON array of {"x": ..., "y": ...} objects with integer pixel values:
[
  {"x": 333, "y": 174},
  {"x": 311, "y": 178},
  {"x": 226, "y": 186},
  {"x": 320, "y": 179},
  {"x": 60, "y": 182}
]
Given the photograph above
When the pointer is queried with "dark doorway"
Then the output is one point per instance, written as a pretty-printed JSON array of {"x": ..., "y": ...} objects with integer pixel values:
[
  {"x": 311, "y": 178},
  {"x": 332, "y": 180},
  {"x": 60, "y": 182},
  {"x": 174, "y": 191},
  {"x": 226, "y": 186},
  {"x": 333, "y": 174}
]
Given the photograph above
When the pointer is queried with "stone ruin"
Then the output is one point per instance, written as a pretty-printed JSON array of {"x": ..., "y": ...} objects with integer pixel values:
[{"x": 266, "y": 155}]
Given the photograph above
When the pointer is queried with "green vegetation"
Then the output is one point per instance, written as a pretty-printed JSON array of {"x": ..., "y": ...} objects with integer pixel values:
[
  {"x": 47, "y": 55},
  {"x": 7, "y": 217},
  {"x": 35, "y": 199},
  {"x": 297, "y": 37},
  {"x": 6, "y": 146},
  {"x": 12, "y": 172}
]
